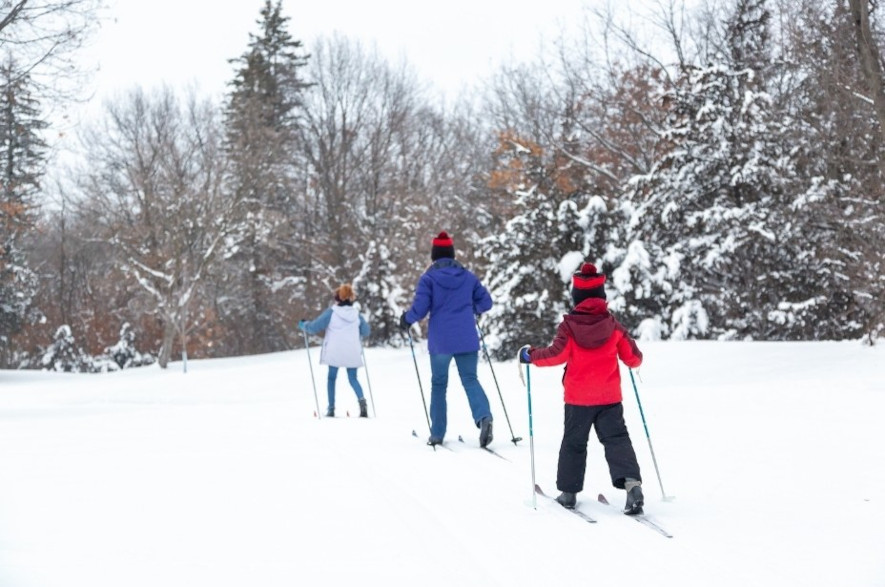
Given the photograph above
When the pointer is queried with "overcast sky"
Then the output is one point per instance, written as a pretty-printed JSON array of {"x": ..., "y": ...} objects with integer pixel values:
[{"x": 190, "y": 41}]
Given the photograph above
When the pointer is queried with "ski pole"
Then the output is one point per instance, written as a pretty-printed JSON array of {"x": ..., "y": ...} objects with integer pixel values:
[
  {"x": 420, "y": 387},
  {"x": 368, "y": 381},
  {"x": 513, "y": 438},
  {"x": 528, "y": 387},
  {"x": 312, "y": 380},
  {"x": 648, "y": 436}
]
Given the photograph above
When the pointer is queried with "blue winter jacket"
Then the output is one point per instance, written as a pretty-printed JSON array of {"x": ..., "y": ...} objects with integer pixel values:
[{"x": 453, "y": 296}]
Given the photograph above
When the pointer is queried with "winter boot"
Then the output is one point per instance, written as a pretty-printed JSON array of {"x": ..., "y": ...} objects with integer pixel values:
[
  {"x": 434, "y": 440},
  {"x": 330, "y": 413},
  {"x": 364, "y": 410},
  {"x": 635, "y": 499},
  {"x": 485, "y": 432},
  {"x": 567, "y": 500}
]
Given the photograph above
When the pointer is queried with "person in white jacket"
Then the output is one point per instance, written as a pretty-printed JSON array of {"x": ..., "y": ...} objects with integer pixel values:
[{"x": 344, "y": 327}]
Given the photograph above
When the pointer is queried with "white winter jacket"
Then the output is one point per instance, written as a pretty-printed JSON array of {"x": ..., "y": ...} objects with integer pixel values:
[{"x": 341, "y": 343}]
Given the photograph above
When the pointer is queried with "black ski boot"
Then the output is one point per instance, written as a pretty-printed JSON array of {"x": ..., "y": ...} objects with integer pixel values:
[
  {"x": 364, "y": 410},
  {"x": 567, "y": 500},
  {"x": 485, "y": 432},
  {"x": 330, "y": 413},
  {"x": 635, "y": 501},
  {"x": 433, "y": 441}
]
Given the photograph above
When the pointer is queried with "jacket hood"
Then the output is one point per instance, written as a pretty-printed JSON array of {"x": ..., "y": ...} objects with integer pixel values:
[
  {"x": 590, "y": 323},
  {"x": 346, "y": 312},
  {"x": 448, "y": 273}
]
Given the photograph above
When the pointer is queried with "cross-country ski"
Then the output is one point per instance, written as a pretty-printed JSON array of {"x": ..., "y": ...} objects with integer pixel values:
[
  {"x": 583, "y": 515},
  {"x": 643, "y": 519}
]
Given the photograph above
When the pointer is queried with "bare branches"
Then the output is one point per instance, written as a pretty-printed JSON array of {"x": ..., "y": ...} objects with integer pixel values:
[
  {"x": 155, "y": 190},
  {"x": 44, "y": 36}
]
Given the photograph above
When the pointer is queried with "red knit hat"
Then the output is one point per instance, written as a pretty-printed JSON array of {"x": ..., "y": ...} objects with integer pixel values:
[
  {"x": 442, "y": 246},
  {"x": 587, "y": 283}
]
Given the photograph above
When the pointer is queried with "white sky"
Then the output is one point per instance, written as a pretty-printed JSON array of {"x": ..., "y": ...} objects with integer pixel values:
[
  {"x": 190, "y": 42},
  {"x": 185, "y": 41}
]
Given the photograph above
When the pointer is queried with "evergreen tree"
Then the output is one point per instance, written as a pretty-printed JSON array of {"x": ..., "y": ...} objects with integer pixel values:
[
  {"x": 262, "y": 116},
  {"x": 838, "y": 209},
  {"x": 63, "y": 354},
  {"x": 532, "y": 259},
  {"x": 22, "y": 161},
  {"x": 124, "y": 354},
  {"x": 712, "y": 211}
]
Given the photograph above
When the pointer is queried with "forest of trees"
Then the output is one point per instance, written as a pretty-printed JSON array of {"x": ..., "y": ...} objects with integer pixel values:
[{"x": 726, "y": 172}]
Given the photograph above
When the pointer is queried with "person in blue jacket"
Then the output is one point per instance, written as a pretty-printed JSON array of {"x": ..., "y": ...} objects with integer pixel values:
[
  {"x": 344, "y": 327},
  {"x": 454, "y": 297}
]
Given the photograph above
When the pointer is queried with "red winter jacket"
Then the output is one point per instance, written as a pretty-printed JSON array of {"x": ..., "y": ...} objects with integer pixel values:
[{"x": 590, "y": 341}]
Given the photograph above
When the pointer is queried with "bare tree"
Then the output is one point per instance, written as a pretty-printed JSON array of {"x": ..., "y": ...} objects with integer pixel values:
[
  {"x": 44, "y": 35},
  {"x": 366, "y": 170},
  {"x": 155, "y": 190}
]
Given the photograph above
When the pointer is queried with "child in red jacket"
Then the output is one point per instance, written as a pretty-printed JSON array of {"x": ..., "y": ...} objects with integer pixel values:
[{"x": 589, "y": 341}]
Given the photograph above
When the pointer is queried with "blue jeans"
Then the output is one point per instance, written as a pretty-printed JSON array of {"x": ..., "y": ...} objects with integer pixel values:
[
  {"x": 351, "y": 376},
  {"x": 439, "y": 380}
]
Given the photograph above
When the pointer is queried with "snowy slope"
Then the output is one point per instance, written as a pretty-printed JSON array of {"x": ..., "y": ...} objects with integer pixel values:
[{"x": 222, "y": 476}]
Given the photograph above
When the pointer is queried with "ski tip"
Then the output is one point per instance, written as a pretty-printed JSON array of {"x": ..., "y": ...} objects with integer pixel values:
[
  {"x": 415, "y": 434},
  {"x": 460, "y": 439},
  {"x": 516, "y": 439},
  {"x": 601, "y": 499},
  {"x": 538, "y": 490}
]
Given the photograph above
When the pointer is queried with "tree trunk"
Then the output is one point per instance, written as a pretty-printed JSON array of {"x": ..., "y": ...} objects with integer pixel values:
[
  {"x": 870, "y": 61},
  {"x": 166, "y": 348}
]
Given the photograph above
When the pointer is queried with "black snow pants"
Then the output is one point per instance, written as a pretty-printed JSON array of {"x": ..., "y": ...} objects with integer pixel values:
[{"x": 611, "y": 432}]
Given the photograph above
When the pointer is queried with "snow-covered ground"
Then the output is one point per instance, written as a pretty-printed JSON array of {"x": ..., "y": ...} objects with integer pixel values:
[{"x": 773, "y": 455}]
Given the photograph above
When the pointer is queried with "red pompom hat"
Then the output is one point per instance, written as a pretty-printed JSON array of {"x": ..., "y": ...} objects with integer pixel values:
[
  {"x": 442, "y": 247},
  {"x": 587, "y": 283}
]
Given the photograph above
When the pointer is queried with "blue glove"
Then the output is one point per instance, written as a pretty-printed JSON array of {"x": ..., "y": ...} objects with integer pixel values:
[
  {"x": 524, "y": 356},
  {"x": 301, "y": 324}
]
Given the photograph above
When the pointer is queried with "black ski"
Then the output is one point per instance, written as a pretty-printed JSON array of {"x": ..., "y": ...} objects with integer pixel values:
[
  {"x": 487, "y": 449},
  {"x": 641, "y": 518},
  {"x": 443, "y": 445},
  {"x": 575, "y": 511},
  {"x": 497, "y": 454}
]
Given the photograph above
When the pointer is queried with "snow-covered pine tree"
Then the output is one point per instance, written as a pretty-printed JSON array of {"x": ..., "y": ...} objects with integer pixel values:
[
  {"x": 124, "y": 354},
  {"x": 838, "y": 207},
  {"x": 261, "y": 119},
  {"x": 712, "y": 211},
  {"x": 638, "y": 289},
  {"x": 22, "y": 161},
  {"x": 63, "y": 354},
  {"x": 531, "y": 261}
]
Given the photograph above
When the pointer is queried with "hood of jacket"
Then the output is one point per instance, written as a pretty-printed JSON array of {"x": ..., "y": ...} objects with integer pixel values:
[
  {"x": 590, "y": 323},
  {"x": 447, "y": 273},
  {"x": 346, "y": 312}
]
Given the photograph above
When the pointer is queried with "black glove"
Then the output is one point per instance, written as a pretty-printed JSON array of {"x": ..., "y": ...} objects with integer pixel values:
[
  {"x": 524, "y": 356},
  {"x": 403, "y": 323}
]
